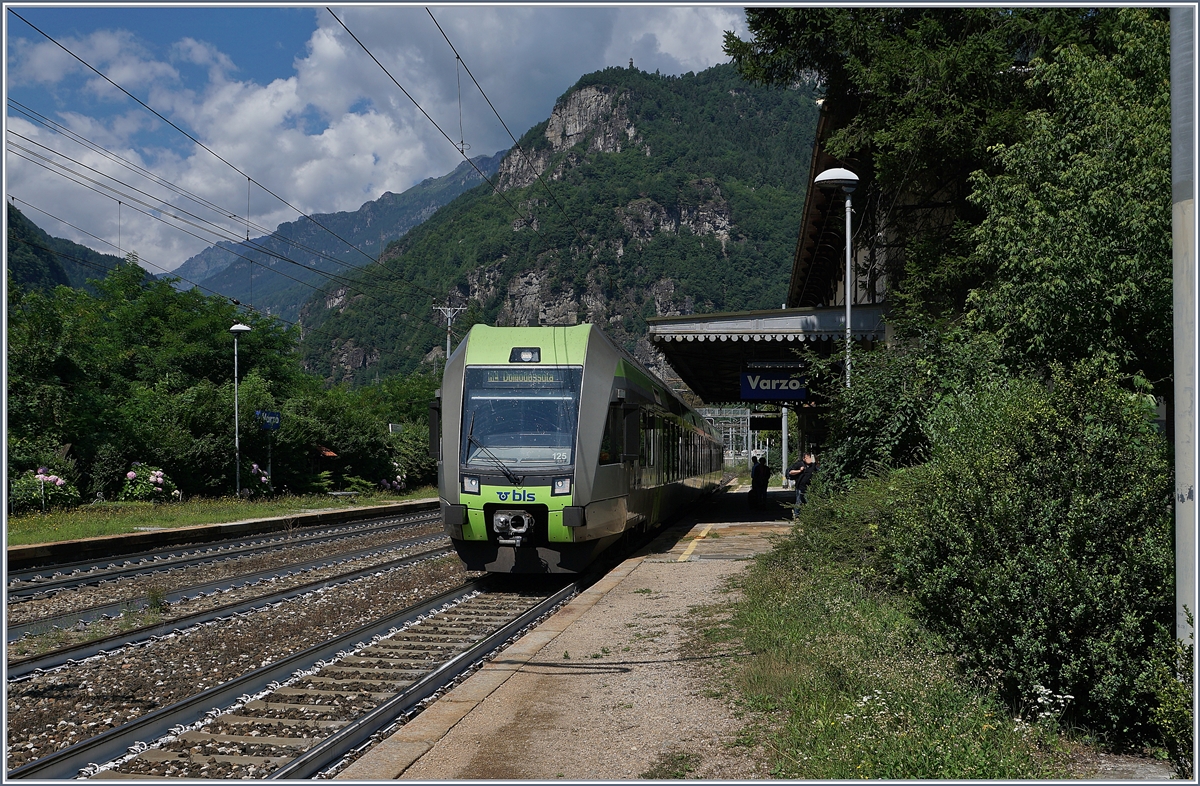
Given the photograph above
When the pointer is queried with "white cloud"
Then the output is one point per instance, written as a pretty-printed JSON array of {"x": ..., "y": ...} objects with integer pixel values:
[{"x": 335, "y": 132}]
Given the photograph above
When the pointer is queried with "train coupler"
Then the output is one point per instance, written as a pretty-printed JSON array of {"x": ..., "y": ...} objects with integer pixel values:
[{"x": 511, "y": 526}]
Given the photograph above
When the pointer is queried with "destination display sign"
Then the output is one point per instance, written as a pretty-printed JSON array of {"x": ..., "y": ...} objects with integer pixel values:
[
  {"x": 773, "y": 386},
  {"x": 524, "y": 376}
]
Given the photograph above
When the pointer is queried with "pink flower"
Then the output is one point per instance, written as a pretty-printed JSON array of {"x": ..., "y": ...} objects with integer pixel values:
[
  {"x": 264, "y": 478},
  {"x": 60, "y": 482},
  {"x": 52, "y": 478},
  {"x": 158, "y": 480},
  {"x": 156, "y": 488},
  {"x": 130, "y": 475},
  {"x": 42, "y": 478}
]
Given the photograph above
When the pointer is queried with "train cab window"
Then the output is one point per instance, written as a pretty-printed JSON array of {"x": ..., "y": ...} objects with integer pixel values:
[
  {"x": 520, "y": 418},
  {"x": 613, "y": 441}
]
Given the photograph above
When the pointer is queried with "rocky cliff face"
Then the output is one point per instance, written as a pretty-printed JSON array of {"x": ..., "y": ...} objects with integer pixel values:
[
  {"x": 595, "y": 116},
  {"x": 632, "y": 232}
]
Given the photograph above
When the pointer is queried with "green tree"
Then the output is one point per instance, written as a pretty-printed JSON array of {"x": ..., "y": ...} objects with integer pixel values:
[
  {"x": 1078, "y": 214},
  {"x": 918, "y": 97}
]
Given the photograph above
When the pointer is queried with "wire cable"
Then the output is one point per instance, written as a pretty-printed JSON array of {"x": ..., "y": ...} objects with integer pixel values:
[
  {"x": 201, "y": 144},
  {"x": 105, "y": 270},
  {"x": 268, "y": 233},
  {"x": 408, "y": 95},
  {"x": 516, "y": 144},
  {"x": 216, "y": 231}
]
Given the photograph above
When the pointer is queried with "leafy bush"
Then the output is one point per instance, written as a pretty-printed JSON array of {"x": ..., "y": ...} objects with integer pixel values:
[
  {"x": 880, "y": 421},
  {"x": 1175, "y": 685},
  {"x": 259, "y": 482},
  {"x": 42, "y": 490},
  {"x": 144, "y": 483},
  {"x": 1038, "y": 539}
]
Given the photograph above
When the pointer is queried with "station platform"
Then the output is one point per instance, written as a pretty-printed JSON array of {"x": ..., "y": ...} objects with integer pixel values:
[{"x": 608, "y": 687}]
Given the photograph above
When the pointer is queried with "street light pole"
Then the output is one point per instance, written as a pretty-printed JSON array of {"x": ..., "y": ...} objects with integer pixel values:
[
  {"x": 237, "y": 330},
  {"x": 847, "y": 181}
]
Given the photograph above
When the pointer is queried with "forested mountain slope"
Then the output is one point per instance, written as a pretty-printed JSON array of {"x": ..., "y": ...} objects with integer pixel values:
[
  {"x": 657, "y": 195},
  {"x": 298, "y": 249},
  {"x": 38, "y": 261}
]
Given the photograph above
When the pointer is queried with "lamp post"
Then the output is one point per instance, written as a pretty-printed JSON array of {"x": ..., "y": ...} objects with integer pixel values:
[
  {"x": 237, "y": 330},
  {"x": 845, "y": 180}
]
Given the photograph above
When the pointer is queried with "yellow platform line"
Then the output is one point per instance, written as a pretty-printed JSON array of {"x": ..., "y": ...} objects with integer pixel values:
[{"x": 691, "y": 546}]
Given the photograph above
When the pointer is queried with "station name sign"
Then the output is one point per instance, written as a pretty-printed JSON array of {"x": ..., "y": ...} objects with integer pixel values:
[
  {"x": 773, "y": 386},
  {"x": 268, "y": 421}
]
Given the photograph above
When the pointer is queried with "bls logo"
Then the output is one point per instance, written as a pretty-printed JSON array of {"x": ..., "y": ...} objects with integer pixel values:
[{"x": 517, "y": 496}]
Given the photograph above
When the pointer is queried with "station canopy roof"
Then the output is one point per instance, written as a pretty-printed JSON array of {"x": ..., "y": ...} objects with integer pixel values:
[{"x": 710, "y": 351}]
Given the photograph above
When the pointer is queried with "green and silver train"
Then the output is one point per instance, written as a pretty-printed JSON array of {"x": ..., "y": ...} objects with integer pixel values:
[{"x": 554, "y": 443}]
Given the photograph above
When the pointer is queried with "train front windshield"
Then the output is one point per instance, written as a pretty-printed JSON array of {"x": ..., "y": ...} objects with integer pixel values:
[{"x": 520, "y": 417}]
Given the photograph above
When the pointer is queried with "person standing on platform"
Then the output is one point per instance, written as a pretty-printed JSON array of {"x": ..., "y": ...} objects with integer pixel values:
[
  {"x": 759, "y": 476},
  {"x": 802, "y": 472}
]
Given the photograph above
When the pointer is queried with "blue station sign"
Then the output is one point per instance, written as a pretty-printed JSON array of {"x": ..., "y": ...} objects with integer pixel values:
[
  {"x": 268, "y": 421},
  {"x": 770, "y": 385}
]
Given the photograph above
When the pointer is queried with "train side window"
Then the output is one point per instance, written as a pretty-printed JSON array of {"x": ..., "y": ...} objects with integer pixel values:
[
  {"x": 613, "y": 440},
  {"x": 645, "y": 449}
]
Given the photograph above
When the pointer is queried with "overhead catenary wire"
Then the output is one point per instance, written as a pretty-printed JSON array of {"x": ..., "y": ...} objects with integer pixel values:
[
  {"x": 235, "y": 168},
  {"x": 516, "y": 144},
  {"x": 216, "y": 230},
  {"x": 100, "y": 268},
  {"x": 225, "y": 213},
  {"x": 415, "y": 103},
  {"x": 198, "y": 237},
  {"x": 198, "y": 142}
]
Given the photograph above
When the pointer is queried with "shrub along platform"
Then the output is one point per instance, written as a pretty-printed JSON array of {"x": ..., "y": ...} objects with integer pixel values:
[{"x": 35, "y": 554}]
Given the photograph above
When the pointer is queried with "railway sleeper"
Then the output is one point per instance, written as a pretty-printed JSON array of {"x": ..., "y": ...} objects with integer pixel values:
[
  {"x": 393, "y": 683},
  {"x": 384, "y": 673},
  {"x": 427, "y": 642},
  {"x": 279, "y": 706},
  {"x": 198, "y": 736},
  {"x": 333, "y": 694},
  {"x": 248, "y": 720},
  {"x": 158, "y": 755},
  {"x": 435, "y": 638},
  {"x": 385, "y": 662},
  {"x": 444, "y": 645}
]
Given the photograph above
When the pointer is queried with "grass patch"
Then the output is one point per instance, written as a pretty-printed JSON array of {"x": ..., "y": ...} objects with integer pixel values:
[
  {"x": 847, "y": 684},
  {"x": 115, "y": 518},
  {"x": 672, "y": 766}
]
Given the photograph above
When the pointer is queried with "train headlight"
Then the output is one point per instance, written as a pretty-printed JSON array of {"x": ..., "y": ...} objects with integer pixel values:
[
  {"x": 470, "y": 484},
  {"x": 560, "y": 486},
  {"x": 525, "y": 355}
]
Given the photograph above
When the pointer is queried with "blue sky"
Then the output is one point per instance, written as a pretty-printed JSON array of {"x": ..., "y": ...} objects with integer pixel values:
[{"x": 289, "y": 99}]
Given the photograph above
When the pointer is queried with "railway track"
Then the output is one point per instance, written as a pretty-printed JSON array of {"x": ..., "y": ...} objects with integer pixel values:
[
  {"x": 21, "y": 667},
  {"x": 34, "y": 582},
  {"x": 303, "y": 713},
  {"x": 163, "y": 598}
]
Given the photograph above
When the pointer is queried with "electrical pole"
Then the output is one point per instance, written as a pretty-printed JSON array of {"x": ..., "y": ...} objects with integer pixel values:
[
  {"x": 449, "y": 312},
  {"x": 1183, "y": 255}
]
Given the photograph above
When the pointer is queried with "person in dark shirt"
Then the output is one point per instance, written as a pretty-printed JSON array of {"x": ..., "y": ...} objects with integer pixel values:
[
  {"x": 802, "y": 473},
  {"x": 759, "y": 476}
]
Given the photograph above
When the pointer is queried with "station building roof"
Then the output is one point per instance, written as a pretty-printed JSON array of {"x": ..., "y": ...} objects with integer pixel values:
[{"x": 710, "y": 351}]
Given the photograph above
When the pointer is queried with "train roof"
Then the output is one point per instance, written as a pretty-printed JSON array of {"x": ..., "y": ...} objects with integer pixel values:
[{"x": 563, "y": 346}]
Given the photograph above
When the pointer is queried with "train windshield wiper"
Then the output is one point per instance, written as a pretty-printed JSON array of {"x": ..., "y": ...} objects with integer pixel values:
[{"x": 514, "y": 479}]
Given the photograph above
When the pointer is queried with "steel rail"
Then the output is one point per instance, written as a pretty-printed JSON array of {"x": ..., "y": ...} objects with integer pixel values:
[
  {"x": 25, "y": 666},
  {"x": 30, "y": 584},
  {"x": 111, "y": 744},
  {"x": 68, "y": 619},
  {"x": 332, "y": 749}
]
